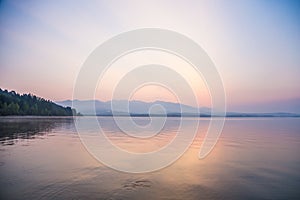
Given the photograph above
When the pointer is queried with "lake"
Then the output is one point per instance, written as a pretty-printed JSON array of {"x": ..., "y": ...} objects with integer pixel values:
[{"x": 255, "y": 158}]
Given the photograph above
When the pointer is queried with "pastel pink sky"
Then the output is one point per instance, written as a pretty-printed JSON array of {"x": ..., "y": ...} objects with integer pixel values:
[{"x": 255, "y": 45}]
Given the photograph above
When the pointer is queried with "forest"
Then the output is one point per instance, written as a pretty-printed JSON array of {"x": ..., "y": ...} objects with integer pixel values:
[{"x": 12, "y": 103}]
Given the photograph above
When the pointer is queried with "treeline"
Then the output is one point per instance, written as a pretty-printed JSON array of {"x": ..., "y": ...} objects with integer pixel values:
[{"x": 12, "y": 103}]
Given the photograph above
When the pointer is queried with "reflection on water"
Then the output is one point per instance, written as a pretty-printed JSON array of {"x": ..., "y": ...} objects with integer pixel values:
[
  {"x": 138, "y": 144},
  {"x": 254, "y": 159},
  {"x": 13, "y": 129}
]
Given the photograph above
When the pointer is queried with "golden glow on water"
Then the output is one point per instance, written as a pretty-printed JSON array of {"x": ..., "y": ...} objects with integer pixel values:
[{"x": 253, "y": 159}]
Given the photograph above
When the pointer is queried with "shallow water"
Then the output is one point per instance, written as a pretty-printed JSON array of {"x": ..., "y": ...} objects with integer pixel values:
[{"x": 255, "y": 158}]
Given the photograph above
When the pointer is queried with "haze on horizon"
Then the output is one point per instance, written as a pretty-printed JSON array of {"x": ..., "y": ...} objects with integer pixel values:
[{"x": 254, "y": 44}]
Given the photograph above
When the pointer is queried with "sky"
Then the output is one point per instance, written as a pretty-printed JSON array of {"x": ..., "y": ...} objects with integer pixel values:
[{"x": 255, "y": 45}]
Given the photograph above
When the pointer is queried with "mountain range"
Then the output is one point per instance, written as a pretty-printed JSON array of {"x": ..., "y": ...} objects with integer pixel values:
[
  {"x": 85, "y": 107},
  {"x": 156, "y": 108}
]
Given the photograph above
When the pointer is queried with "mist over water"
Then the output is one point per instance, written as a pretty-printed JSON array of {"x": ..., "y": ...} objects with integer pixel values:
[{"x": 253, "y": 159}]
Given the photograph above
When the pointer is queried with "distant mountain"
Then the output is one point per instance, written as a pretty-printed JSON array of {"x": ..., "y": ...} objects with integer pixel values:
[
  {"x": 135, "y": 107},
  {"x": 140, "y": 108},
  {"x": 271, "y": 114},
  {"x": 12, "y": 103}
]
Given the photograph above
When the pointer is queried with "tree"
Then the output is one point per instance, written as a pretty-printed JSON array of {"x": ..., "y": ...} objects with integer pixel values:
[{"x": 12, "y": 103}]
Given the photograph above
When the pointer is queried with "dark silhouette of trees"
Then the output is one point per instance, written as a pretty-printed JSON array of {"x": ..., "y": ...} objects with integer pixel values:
[{"x": 12, "y": 103}]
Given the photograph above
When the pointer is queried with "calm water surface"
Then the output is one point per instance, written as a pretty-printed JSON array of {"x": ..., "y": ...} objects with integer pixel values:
[{"x": 255, "y": 158}]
